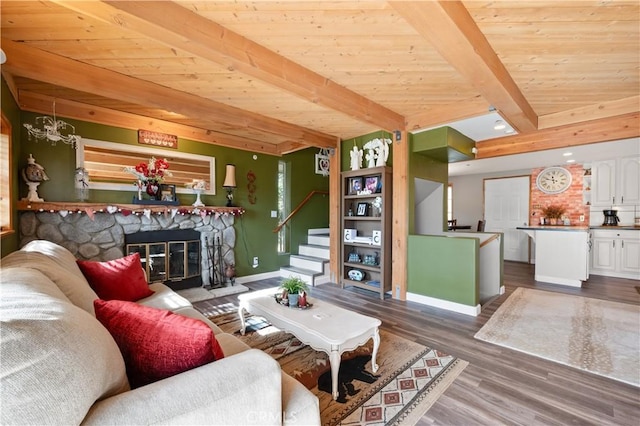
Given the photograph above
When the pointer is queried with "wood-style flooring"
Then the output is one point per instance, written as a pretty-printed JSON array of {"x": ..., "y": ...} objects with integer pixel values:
[{"x": 499, "y": 386}]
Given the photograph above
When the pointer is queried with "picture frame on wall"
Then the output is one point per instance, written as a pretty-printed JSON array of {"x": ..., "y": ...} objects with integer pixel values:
[
  {"x": 363, "y": 209},
  {"x": 355, "y": 185}
]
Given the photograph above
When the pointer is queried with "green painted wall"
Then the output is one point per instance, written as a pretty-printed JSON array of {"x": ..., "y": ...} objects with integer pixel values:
[
  {"x": 423, "y": 167},
  {"x": 11, "y": 111},
  {"x": 443, "y": 268},
  {"x": 254, "y": 230},
  {"x": 315, "y": 213},
  {"x": 347, "y": 146}
]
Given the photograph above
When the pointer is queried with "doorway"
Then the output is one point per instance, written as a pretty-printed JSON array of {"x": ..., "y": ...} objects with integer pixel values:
[{"x": 506, "y": 206}]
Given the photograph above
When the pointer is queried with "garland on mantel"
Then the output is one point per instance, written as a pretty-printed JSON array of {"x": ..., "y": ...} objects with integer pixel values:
[{"x": 126, "y": 211}]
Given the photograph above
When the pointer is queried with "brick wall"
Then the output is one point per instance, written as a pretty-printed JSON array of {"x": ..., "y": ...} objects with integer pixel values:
[{"x": 571, "y": 199}]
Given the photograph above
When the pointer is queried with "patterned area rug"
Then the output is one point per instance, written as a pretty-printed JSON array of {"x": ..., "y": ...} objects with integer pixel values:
[
  {"x": 198, "y": 294},
  {"x": 409, "y": 380},
  {"x": 595, "y": 335}
]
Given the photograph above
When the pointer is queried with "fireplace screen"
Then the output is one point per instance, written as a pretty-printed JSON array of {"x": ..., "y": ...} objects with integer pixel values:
[{"x": 175, "y": 263}]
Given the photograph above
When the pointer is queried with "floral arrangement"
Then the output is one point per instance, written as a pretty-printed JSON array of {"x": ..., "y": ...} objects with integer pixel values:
[
  {"x": 553, "y": 211},
  {"x": 154, "y": 171}
]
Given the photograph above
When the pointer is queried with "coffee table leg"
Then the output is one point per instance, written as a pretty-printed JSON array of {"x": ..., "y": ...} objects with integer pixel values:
[
  {"x": 242, "y": 323},
  {"x": 334, "y": 359},
  {"x": 376, "y": 345}
]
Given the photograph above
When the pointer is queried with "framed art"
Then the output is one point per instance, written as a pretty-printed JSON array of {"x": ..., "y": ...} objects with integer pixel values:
[
  {"x": 373, "y": 184},
  {"x": 355, "y": 185},
  {"x": 363, "y": 209},
  {"x": 168, "y": 192},
  {"x": 322, "y": 164}
]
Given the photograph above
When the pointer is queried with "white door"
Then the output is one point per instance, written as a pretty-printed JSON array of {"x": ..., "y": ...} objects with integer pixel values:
[{"x": 506, "y": 206}]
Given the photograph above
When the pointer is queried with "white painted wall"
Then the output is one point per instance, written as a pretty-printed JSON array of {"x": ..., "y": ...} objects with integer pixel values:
[
  {"x": 468, "y": 196},
  {"x": 428, "y": 214}
]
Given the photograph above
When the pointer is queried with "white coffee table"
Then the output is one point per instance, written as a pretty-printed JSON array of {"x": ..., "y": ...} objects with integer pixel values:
[{"x": 324, "y": 327}]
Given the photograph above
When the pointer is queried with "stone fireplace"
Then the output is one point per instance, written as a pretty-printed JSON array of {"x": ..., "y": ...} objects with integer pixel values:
[
  {"x": 100, "y": 235},
  {"x": 170, "y": 256}
]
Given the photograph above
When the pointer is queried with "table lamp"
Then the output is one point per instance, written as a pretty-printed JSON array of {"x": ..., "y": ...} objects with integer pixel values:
[{"x": 230, "y": 183}]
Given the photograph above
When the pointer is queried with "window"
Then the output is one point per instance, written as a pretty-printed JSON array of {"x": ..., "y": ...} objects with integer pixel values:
[
  {"x": 450, "y": 202},
  {"x": 6, "y": 225},
  {"x": 105, "y": 162},
  {"x": 283, "y": 206}
]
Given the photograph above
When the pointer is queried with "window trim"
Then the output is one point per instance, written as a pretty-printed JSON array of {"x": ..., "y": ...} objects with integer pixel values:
[
  {"x": 5, "y": 130},
  {"x": 158, "y": 153}
]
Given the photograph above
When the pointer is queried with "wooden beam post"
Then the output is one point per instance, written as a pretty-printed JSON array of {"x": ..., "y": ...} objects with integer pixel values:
[
  {"x": 335, "y": 212},
  {"x": 400, "y": 217}
]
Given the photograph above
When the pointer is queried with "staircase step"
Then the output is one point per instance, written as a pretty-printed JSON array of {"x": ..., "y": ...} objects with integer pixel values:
[
  {"x": 307, "y": 262},
  {"x": 305, "y": 274},
  {"x": 314, "y": 250},
  {"x": 316, "y": 231},
  {"x": 318, "y": 239}
]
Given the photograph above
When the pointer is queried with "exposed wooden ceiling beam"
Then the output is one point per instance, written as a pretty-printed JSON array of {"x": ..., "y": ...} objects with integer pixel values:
[
  {"x": 44, "y": 66},
  {"x": 34, "y": 102},
  {"x": 448, "y": 26},
  {"x": 443, "y": 114},
  {"x": 180, "y": 28},
  {"x": 591, "y": 112},
  {"x": 601, "y": 130}
]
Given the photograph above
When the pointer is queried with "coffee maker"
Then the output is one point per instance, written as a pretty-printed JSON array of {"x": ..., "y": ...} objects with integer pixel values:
[{"x": 610, "y": 218}]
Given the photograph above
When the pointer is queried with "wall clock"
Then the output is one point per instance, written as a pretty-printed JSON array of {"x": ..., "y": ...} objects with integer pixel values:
[{"x": 554, "y": 180}]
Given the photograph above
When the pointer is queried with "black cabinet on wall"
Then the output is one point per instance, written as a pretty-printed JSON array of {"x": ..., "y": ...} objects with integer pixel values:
[{"x": 366, "y": 229}]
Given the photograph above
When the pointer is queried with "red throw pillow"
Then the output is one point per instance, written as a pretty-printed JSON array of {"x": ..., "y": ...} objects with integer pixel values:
[
  {"x": 156, "y": 343},
  {"x": 118, "y": 279}
]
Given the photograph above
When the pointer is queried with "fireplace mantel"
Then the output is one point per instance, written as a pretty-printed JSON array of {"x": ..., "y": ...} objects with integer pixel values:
[{"x": 53, "y": 207}]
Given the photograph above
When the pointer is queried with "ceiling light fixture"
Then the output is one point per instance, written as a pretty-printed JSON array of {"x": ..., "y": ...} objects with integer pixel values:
[
  {"x": 571, "y": 160},
  {"x": 499, "y": 125},
  {"x": 567, "y": 154},
  {"x": 52, "y": 130}
]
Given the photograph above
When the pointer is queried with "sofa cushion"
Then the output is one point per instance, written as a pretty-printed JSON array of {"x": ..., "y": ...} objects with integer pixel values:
[
  {"x": 164, "y": 297},
  {"x": 191, "y": 312},
  {"x": 57, "y": 359},
  {"x": 156, "y": 343},
  {"x": 118, "y": 279},
  {"x": 65, "y": 275}
]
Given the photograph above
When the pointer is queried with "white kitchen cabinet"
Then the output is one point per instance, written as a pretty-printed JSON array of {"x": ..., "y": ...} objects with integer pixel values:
[
  {"x": 628, "y": 184},
  {"x": 615, "y": 182},
  {"x": 616, "y": 253}
]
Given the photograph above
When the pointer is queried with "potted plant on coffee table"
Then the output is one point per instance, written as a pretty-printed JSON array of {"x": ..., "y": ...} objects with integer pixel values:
[{"x": 293, "y": 287}]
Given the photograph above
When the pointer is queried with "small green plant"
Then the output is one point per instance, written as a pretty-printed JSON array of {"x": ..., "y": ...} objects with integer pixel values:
[
  {"x": 553, "y": 211},
  {"x": 294, "y": 285}
]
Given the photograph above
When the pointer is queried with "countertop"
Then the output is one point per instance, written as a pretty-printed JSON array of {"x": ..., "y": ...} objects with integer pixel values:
[
  {"x": 555, "y": 228},
  {"x": 579, "y": 228},
  {"x": 617, "y": 228}
]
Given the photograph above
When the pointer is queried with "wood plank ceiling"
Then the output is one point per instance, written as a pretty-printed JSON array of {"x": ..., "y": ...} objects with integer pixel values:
[{"x": 275, "y": 77}]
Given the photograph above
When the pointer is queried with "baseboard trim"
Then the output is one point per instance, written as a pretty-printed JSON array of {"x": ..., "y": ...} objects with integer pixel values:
[
  {"x": 444, "y": 304},
  {"x": 256, "y": 277}
]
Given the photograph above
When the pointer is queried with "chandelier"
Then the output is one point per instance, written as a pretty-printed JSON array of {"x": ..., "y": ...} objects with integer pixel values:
[{"x": 52, "y": 130}]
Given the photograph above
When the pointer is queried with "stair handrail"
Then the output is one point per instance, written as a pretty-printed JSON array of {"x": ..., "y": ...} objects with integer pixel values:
[
  {"x": 487, "y": 241},
  {"x": 299, "y": 207}
]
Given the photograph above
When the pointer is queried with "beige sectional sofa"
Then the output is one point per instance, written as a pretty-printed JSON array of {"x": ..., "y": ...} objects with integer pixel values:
[{"x": 59, "y": 365}]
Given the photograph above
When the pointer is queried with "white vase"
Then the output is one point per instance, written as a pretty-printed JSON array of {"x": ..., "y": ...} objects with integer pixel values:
[{"x": 198, "y": 202}]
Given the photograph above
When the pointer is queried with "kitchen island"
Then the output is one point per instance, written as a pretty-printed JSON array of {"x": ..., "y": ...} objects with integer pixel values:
[{"x": 562, "y": 253}]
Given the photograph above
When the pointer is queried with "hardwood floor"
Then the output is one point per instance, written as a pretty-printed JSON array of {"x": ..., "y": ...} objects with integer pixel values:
[{"x": 499, "y": 386}]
